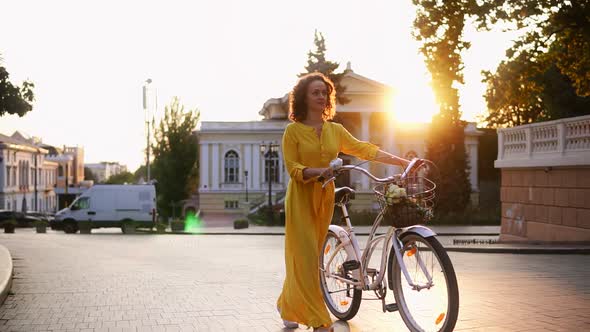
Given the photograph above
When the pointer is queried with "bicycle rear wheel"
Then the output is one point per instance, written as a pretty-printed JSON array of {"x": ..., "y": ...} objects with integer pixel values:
[
  {"x": 342, "y": 299},
  {"x": 433, "y": 308}
]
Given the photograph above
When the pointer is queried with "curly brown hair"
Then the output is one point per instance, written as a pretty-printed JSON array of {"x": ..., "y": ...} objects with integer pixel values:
[{"x": 297, "y": 106}]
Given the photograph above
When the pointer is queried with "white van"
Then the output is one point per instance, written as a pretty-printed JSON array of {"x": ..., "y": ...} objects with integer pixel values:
[{"x": 111, "y": 206}]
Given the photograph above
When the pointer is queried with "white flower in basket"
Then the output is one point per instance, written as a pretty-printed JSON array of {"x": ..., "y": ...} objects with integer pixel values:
[{"x": 394, "y": 194}]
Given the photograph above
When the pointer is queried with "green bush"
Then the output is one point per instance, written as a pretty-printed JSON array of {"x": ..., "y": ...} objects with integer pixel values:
[
  {"x": 470, "y": 217},
  {"x": 240, "y": 223},
  {"x": 357, "y": 218},
  {"x": 40, "y": 223},
  {"x": 261, "y": 216},
  {"x": 161, "y": 227},
  {"x": 9, "y": 225},
  {"x": 9, "y": 222},
  {"x": 177, "y": 225}
]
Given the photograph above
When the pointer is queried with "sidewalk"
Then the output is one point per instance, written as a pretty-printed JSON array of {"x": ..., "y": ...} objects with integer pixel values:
[{"x": 463, "y": 239}]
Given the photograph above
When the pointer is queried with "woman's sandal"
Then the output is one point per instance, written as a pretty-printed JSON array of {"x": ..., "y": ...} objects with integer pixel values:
[{"x": 287, "y": 323}]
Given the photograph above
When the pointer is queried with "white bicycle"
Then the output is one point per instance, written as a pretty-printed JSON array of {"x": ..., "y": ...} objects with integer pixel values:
[{"x": 418, "y": 269}]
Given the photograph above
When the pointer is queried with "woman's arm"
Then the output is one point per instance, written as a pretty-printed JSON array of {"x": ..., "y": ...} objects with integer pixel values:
[
  {"x": 388, "y": 158},
  {"x": 368, "y": 151}
]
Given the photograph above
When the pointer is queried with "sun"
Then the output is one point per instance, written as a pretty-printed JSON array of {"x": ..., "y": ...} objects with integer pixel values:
[{"x": 413, "y": 103}]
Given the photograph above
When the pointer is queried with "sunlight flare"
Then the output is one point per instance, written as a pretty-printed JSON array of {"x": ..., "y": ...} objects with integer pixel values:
[{"x": 413, "y": 103}]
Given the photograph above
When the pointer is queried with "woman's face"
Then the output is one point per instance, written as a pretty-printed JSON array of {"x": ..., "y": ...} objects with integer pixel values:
[{"x": 317, "y": 96}]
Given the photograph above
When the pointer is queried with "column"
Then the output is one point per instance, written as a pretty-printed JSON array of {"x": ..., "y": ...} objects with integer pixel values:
[
  {"x": 248, "y": 163},
  {"x": 365, "y": 120},
  {"x": 473, "y": 151},
  {"x": 280, "y": 172},
  {"x": 390, "y": 146},
  {"x": 204, "y": 166},
  {"x": 215, "y": 165},
  {"x": 256, "y": 179}
]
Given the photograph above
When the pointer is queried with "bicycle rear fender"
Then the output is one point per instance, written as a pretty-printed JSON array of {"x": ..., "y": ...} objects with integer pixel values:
[
  {"x": 417, "y": 229},
  {"x": 345, "y": 239}
]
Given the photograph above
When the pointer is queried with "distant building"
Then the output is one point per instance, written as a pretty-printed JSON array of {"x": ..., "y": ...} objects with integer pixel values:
[
  {"x": 70, "y": 173},
  {"x": 235, "y": 171},
  {"x": 104, "y": 170},
  {"x": 27, "y": 177}
]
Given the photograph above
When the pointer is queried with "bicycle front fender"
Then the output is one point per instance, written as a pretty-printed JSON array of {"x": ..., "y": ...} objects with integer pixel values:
[{"x": 418, "y": 229}]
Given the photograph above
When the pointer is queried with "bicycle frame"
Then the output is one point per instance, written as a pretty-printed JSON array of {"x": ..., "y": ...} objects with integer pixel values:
[{"x": 349, "y": 242}]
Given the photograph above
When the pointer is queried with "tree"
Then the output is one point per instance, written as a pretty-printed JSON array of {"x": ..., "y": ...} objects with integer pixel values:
[
  {"x": 140, "y": 173},
  {"x": 14, "y": 99},
  {"x": 556, "y": 38},
  {"x": 316, "y": 62},
  {"x": 524, "y": 91},
  {"x": 546, "y": 75},
  {"x": 175, "y": 162},
  {"x": 439, "y": 26},
  {"x": 121, "y": 178},
  {"x": 89, "y": 175}
]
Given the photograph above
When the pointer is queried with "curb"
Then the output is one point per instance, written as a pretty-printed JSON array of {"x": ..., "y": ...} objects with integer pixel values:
[
  {"x": 282, "y": 233},
  {"x": 523, "y": 251},
  {"x": 6, "y": 270}
]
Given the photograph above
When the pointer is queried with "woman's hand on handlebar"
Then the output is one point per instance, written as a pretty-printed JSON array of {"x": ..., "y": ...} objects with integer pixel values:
[{"x": 325, "y": 173}]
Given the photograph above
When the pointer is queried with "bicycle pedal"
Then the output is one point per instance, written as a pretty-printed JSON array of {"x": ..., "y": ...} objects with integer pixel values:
[
  {"x": 351, "y": 265},
  {"x": 391, "y": 307}
]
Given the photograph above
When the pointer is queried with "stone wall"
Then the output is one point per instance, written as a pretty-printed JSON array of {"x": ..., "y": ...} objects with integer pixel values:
[
  {"x": 546, "y": 205},
  {"x": 545, "y": 190}
]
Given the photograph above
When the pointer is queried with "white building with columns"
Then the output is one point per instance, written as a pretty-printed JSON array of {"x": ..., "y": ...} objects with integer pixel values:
[{"x": 234, "y": 173}]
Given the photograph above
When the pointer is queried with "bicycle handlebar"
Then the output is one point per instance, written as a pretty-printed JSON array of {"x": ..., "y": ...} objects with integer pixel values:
[{"x": 337, "y": 166}]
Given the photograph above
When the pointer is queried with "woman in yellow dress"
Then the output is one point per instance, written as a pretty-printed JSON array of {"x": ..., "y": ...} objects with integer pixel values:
[{"x": 310, "y": 142}]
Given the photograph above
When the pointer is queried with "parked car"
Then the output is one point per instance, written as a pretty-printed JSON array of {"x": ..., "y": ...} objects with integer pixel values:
[
  {"x": 22, "y": 220},
  {"x": 121, "y": 206},
  {"x": 41, "y": 215}
]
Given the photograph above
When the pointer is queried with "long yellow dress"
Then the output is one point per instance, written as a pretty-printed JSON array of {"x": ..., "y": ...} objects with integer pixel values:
[{"x": 308, "y": 212}]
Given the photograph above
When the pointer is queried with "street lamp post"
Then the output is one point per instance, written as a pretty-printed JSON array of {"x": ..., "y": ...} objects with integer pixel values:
[
  {"x": 268, "y": 150},
  {"x": 147, "y": 121},
  {"x": 246, "y": 180}
]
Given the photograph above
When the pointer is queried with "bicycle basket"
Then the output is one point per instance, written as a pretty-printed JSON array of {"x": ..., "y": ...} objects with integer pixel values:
[{"x": 406, "y": 203}]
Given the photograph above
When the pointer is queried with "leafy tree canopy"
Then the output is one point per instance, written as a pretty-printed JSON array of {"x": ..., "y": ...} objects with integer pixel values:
[{"x": 15, "y": 99}]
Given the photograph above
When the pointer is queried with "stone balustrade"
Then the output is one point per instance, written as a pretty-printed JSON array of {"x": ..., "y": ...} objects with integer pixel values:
[{"x": 545, "y": 189}]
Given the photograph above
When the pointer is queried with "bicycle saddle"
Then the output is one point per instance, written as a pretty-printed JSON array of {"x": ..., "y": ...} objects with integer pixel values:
[{"x": 340, "y": 193}]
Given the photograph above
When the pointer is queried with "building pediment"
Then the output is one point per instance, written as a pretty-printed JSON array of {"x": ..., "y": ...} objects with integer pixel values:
[
  {"x": 359, "y": 85},
  {"x": 276, "y": 108}
]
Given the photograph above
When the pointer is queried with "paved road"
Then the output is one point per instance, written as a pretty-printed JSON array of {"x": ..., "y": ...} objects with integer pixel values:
[{"x": 114, "y": 282}]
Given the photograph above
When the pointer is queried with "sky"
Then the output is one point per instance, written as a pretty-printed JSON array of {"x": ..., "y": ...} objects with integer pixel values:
[{"x": 90, "y": 59}]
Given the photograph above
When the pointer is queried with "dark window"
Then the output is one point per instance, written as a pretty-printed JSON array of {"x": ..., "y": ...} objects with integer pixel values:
[{"x": 231, "y": 167}]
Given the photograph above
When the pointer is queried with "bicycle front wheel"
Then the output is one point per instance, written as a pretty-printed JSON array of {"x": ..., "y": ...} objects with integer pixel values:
[
  {"x": 342, "y": 299},
  {"x": 432, "y": 304}
]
